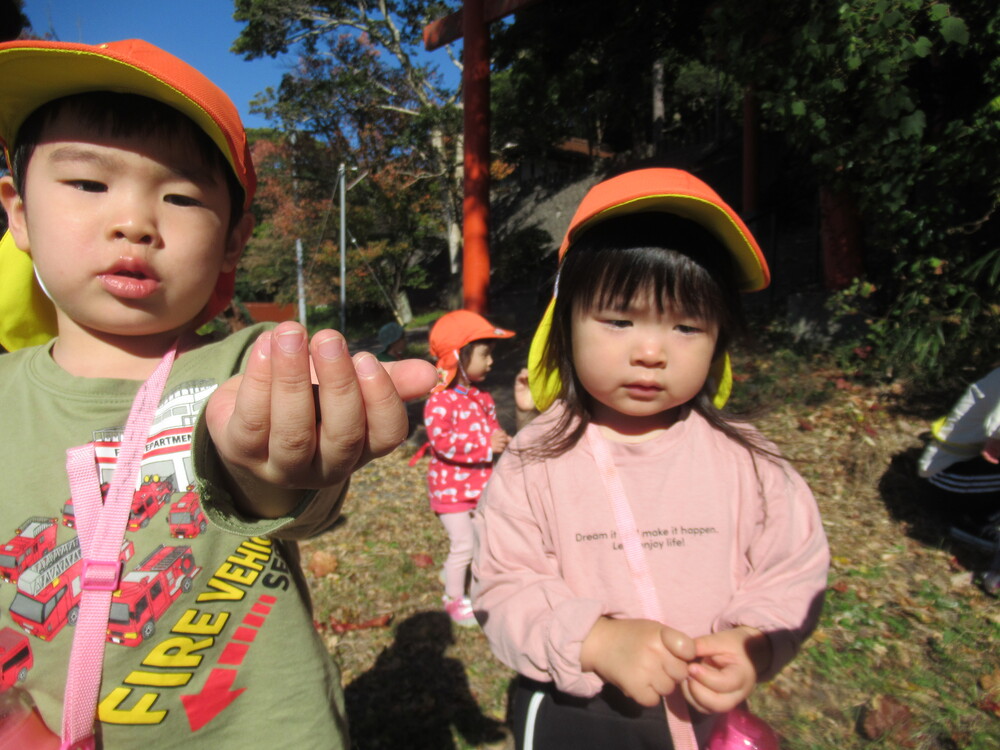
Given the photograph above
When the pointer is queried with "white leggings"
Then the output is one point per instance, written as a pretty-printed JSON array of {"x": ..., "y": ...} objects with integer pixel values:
[{"x": 456, "y": 567}]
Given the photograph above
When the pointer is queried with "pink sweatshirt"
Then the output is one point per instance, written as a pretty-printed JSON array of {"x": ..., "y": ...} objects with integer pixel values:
[
  {"x": 459, "y": 425},
  {"x": 547, "y": 563}
]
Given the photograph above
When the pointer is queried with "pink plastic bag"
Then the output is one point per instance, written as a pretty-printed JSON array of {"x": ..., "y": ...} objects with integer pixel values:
[
  {"x": 739, "y": 729},
  {"x": 20, "y": 725}
]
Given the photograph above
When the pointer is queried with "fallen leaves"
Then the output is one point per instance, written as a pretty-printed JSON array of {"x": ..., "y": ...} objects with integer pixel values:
[
  {"x": 422, "y": 560},
  {"x": 884, "y": 716},
  {"x": 323, "y": 563},
  {"x": 339, "y": 626}
]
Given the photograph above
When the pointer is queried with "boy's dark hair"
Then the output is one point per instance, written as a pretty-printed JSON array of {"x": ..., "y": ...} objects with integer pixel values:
[
  {"x": 676, "y": 261},
  {"x": 123, "y": 115}
]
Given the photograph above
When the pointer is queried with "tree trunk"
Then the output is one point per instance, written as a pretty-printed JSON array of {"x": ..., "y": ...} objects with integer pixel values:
[
  {"x": 840, "y": 238},
  {"x": 404, "y": 313},
  {"x": 659, "y": 107}
]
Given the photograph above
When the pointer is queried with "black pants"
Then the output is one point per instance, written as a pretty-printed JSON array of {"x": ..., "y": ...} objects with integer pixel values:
[
  {"x": 969, "y": 491},
  {"x": 546, "y": 719}
]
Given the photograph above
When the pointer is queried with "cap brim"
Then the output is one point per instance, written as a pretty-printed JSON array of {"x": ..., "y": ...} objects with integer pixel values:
[
  {"x": 753, "y": 273},
  {"x": 677, "y": 192}
]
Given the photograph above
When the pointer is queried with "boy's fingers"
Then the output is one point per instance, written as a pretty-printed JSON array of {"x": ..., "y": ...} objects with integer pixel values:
[
  {"x": 292, "y": 442},
  {"x": 412, "y": 378},
  {"x": 385, "y": 414},
  {"x": 341, "y": 406},
  {"x": 239, "y": 412}
]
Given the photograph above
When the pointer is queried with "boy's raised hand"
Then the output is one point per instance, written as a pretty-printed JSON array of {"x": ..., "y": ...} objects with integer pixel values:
[
  {"x": 277, "y": 435},
  {"x": 727, "y": 668},
  {"x": 645, "y": 659}
]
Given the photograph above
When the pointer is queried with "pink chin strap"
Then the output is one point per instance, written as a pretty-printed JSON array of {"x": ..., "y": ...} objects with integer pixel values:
[{"x": 101, "y": 527}]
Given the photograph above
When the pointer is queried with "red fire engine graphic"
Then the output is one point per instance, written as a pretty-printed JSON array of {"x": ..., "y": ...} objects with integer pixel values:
[
  {"x": 186, "y": 518},
  {"x": 147, "y": 500},
  {"x": 69, "y": 515},
  {"x": 31, "y": 541},
  {"x": 48, "y": 593},
  {"x": 15, "y": 657},
  {"x": 147, "y": 592}
]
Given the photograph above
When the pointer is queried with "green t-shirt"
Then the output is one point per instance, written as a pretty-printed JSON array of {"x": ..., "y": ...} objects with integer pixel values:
[{"x": 211, "y": 642}]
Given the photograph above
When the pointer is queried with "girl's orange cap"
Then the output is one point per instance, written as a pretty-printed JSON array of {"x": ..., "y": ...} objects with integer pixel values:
[
  {"x": 454, "y": 330},
  {"x": 671, "y": 191}
]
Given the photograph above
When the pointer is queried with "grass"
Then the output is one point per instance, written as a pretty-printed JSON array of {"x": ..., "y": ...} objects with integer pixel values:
[{"x": 905, "y": 654}]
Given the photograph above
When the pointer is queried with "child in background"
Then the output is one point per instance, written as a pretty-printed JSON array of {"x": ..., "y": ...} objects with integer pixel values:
[
  {"x": 128, "y": 200},
  {"x": 635, "y": 543},
  {"x": 391, "y": 342},
  {"x": 961, "y": 464},
  {"x": 464, "y": 437}
]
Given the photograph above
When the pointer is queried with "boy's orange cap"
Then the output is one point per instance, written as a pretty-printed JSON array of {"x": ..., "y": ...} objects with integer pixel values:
[
  {"x": 653, "y": 189},
  {"x": 34, "y": 72},
  {"x": 454, "y": 330}
]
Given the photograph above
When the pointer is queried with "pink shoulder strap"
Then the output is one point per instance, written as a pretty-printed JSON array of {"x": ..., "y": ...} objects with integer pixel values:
[
  {"x": 100, "y": 527},
  {"x": 678, "y": 716}
]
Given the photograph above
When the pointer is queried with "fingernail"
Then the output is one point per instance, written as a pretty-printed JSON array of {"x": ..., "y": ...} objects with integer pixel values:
[
  {"x": 367, "y": 366},
  {"x": 290, "y": 341},
  {"x": 264, "y": 345},
  {"x": 331, "y": 348}
]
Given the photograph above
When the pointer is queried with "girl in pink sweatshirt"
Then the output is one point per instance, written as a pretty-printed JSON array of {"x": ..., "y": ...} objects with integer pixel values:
[{"x": 637, "y": 548}]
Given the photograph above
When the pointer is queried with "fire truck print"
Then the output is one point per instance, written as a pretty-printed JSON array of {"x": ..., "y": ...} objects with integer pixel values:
[
  {"x": 31, "y": 541},
  {"x": 166, "y": 463},
  {"x": 48, "y": 593},
  {"x": 15, "y": 657},
  {"x": 147, "y": 592},
  {"x": 152, "y": 495},
  {"x": 186, "y": 518}
]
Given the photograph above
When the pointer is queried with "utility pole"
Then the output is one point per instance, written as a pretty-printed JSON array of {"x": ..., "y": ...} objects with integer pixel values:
[
  {"x": 342, "y": 178},
  {"x": 300, "y": 275}
]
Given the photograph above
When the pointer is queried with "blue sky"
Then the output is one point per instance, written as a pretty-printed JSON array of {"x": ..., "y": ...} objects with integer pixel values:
[{"x": 199, "y": 32}]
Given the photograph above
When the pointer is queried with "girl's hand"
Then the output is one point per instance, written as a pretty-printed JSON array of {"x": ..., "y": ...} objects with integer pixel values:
[
  {"x": 641, "y": 657},
  {"x": 499, "y": 441},
  {"x": 726, "y": 669}
]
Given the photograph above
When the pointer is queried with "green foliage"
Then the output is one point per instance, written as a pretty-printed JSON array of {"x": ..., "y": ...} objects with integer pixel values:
[
  {"x": 357, "y": 96},
  {"x": 894, "y": 101},
  {"x": 587, "y": 72}
]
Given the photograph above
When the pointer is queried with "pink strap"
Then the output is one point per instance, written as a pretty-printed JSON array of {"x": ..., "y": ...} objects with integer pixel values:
[
  {"x": 678, "y": 716},
  {"x": 101, "y": 527}
]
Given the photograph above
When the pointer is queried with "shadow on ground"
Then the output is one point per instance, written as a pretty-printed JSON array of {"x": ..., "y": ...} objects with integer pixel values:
[
  {"x": 913, "y": 501},
  {"x": 414, "y": 695}
]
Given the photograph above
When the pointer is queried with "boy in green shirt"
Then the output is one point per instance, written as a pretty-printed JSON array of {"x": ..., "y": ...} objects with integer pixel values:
[{"x": 128, "y": 200}]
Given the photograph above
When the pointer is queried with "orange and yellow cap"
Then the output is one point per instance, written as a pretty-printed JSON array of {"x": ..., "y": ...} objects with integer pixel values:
[
  {"x": 672, "y": 191},
  {"x": 454, "y": 330}
]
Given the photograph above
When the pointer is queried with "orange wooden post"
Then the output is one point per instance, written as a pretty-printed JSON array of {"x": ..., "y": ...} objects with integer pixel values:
[
  {"x": 476, "y": 205},
  {"x": 472, "y": 21}
]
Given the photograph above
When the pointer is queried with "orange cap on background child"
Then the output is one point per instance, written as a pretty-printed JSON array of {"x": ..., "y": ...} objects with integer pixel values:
[
  {"x": 34, "y": 72},
  {"x": 454, "y": 330},
  {"x": 655, "y": 189}
]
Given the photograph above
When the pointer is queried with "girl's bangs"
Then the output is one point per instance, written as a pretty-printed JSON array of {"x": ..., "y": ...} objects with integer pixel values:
[{"x": 672, "y": 280}]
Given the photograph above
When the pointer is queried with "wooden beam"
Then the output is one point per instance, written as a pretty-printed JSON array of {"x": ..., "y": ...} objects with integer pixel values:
[{"x": 449, "y": 29}]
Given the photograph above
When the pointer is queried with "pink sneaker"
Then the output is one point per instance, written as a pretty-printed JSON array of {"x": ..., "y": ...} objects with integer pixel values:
[{"x": 460, "y": 611}]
